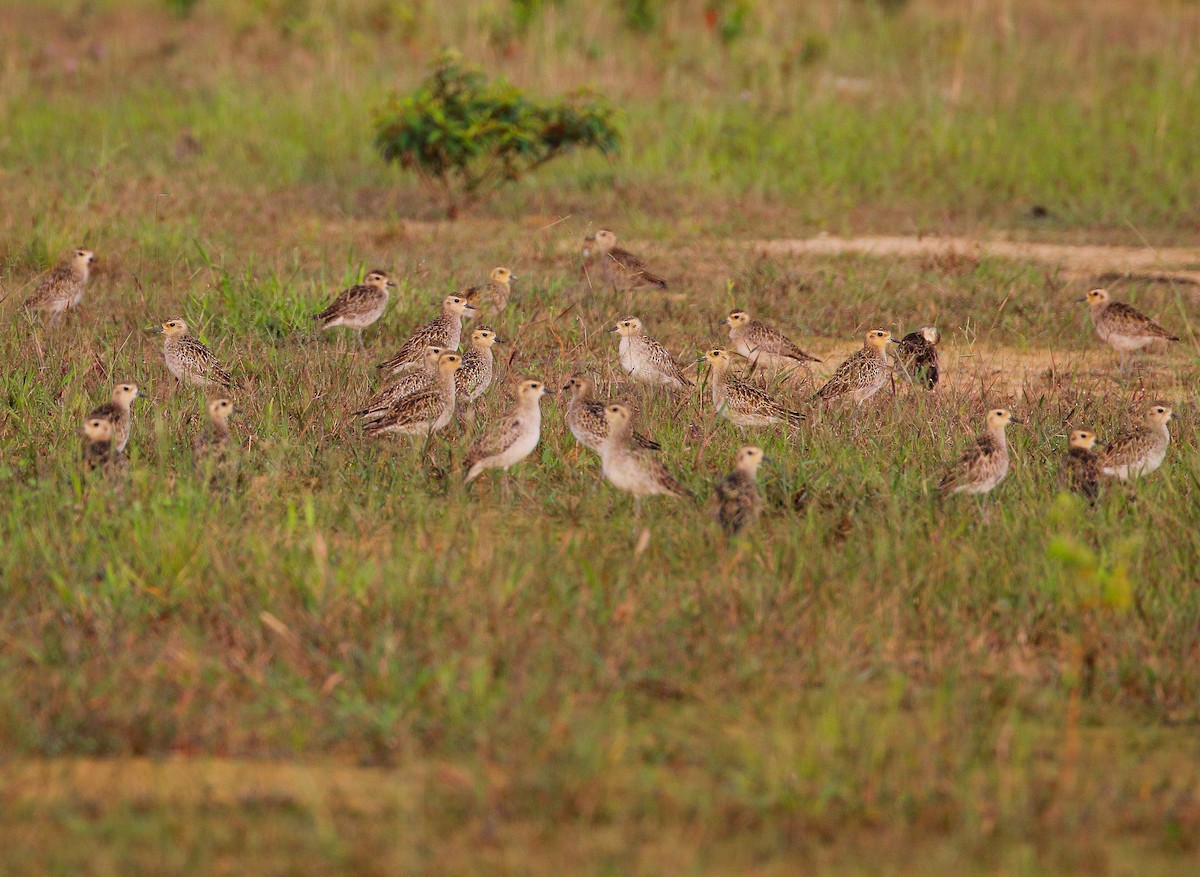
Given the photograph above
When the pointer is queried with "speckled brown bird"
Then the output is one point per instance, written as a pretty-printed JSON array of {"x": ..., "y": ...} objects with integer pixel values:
[
  {"x": 425, "y": 412},
  {"x": 492, "y": 296},
  {"x": 212, "y": 442},
  {"x": 985, "y": 464},
  {"x": 619, "y": 268},
  {"x": 63, "y": 286},
  {"x": 1121, "y": 326},
  {"x": 1141, "y": 450},
  {"x": 513, "y": 437},
  {"x": 359, "y": 306},
  {"x": 118, "y": 412},
  {"x": 740, "y": 403},
  {"x": 862, "y": 375},
  {"x": 408, "y": 383},
  {"x": 189, "y": 360},
  {"x": 630, "y": 468},
  {"x": 444, "y": 330},
  {"x": 1080, "y": 468},
  {"x": 918, "y": 357},
  {"x": 585, "y": 417},
  {"x": 478, "y": 366},
  {"x": 764, "y": 346},
  {"x": 736, "y": 502},
  {"x": 644, "y": 359},
  {"x": 97, "y": 443}
]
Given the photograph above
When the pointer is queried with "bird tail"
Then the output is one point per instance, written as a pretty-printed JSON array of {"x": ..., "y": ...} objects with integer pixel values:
[
  {"x": 794, "y": 418},
  {"x": 656, "y": 282}
]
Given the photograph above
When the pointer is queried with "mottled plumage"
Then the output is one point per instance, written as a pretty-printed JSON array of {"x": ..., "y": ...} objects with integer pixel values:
[
  {"x": 405, "y": 385},
  {"x": 863, "y": 374},
  {"x": 619, "y": 268},
  {"x": 1140, "y": 451},
  {"x": 189, "y": 360},
  {"x": 644, "y": 359},
  {"x": 585, "y": 417},
  {"x": 740, "y": 403},
  {"x": 442, "y": 331},
  {"x": 763, "y": 345},
  {"x": 736, "y": 501},
  {"x": 118, "y": 413},
  {"x": 478, "y": 366},
  {"x": 211, "y": 443},
  {"x": 511, "y": 439},
  {"x": 495, "y": 293},
  {"x": 918, "y": 356},
  {"x": 359, "y": 306},
  {"x": 1122, "y": 327},
  {"x": 97, "y": 443},
  {"x": 63, "y": 286},
  {"x": 424, "y": 412},
  {"x": 1080, "y": 468},
  {"x": 630, "y": 468},
  {"x": 985, "y": 464}
]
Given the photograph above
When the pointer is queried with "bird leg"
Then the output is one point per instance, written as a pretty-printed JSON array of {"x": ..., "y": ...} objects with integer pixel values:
[{"x": 362, "y": 347}]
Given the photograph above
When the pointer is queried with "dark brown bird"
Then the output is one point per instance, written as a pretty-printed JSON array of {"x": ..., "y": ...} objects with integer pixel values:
[
  {"x": 1080, "y": 470},
  {"x": 736, "y": 501},
  {"x": 918, "y": 356}
]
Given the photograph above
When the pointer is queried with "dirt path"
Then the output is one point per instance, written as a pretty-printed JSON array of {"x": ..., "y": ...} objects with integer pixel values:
[{"x": 1180, "y": 264}]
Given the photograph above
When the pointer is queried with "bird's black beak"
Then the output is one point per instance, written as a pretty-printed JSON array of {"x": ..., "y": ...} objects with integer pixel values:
[
  {"x": 614, "y": 330},
  {"x": 1081, "y": 301},
  {"x": 391, "y": 283},
  {"x": 1016, "y": 420},
  {"x": 548, "y": 391},
  {"x": 499, "y": 341}
]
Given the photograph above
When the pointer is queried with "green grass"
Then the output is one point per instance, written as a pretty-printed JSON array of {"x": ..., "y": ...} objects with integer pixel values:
[{"x": 873, "y": 681}]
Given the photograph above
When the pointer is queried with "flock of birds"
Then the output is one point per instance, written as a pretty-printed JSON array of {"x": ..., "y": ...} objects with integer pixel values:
[{"x": 433, "y": 380}]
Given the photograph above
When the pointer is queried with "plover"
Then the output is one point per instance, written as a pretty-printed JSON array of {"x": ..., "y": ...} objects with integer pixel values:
[
  {"x": 985, "y": 463},
  {"x": 424, "y": 412},
  {"x": 619, "y": 268},
  {"x": 405, "y": 385},
  {"x": 63, "y": 286},
  {"x": 211, "y": 443},
  {"x": 1122, "y": 327},
  {"x": 189, "y": 360},
  {"x": 918, "y": 356},
  {"x": 585, "y": 417},
  {"x": 764, "y": 345},
  {"x": 495, "y": 293},
  {"x": 644, "y": 359},
  {"x": 1141, "y": 450},
  {"x": 442, "y": 331},
  {"x": 863, "y": 374},
  {"x": 97, "y": 442},
  {"x": 1080, "y": 468},
  {"x": 513, "y": 437},
  {"x": 475, "y": 376},
  {"x": 740, "y": 403},
  {"x": 736, "y": 501},
  {"x": 359, "y": 306},
  {"x": 630, "y": 468},
  {"x": 118, "y": 413}
]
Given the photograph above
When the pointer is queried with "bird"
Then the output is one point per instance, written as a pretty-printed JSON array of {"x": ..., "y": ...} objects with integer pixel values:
[
  {"x": 118, "y": 413},
  {"x": 619, "y": 268},
  {"x": 359, "y": 306},
  {"x": 511, "y": 439},
  {"x": 863, "y": 374},
  {"x": 1080, "y": 468},
  {"x": 424, "y": 412},
  {"x": 984, "y": 464},
  {"x": 628, "y": 467},
  {"x": 189, "y": 360},
  {"x": 442, "y": 331},
  {"x": 1122, "y": 327},
  {"x": 212, "y": 443},
  {"x": 496, "y": 291},
  {"x": 585, "y": 417},
  {"x": 918, "y": 356},
  {"x": 644, "y": 359},
  {"x": 62, "y": 287},
  {"x": 1141, "y": 450},
  {"x": 405, "y": 385},
  {"x": 741, "y": 403},
  {"x": 764, "y": 345},
  {"x": 475, "y": 376},
  {"x": 736, "y": 501},
  {"x": 97, "y": 443}
]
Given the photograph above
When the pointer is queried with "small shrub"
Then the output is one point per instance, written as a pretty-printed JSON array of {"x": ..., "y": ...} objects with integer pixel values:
[{"x": 466, "y": 135}]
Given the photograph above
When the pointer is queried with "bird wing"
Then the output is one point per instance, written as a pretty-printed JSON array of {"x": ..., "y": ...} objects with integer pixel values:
[
  {"x": 495, "y": 440},
  {"x": 971, "y": 465},
  {"x": 417, "y": 408},
  {"x": 1125, "y": 448},
  {"x": 635, "y": 267},
  {"x": 770, "y": 340},
  {"x": 354, "y": 300},
  {"x": 663, "y": 359},
  {"x": 108, "y": 411},
  {"x": 843, "y": 378},
  {"x": 205, "y": 361},
  {"x": 53, "y": 286},
  {"x": 1129, "y": 320}
]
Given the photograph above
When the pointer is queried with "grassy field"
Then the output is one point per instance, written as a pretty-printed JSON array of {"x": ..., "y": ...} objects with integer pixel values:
[{"x": 341, "y": 660}]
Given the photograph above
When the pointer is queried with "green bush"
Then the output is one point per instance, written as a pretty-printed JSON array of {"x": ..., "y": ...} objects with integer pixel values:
[{"x": 466, "y": 135}]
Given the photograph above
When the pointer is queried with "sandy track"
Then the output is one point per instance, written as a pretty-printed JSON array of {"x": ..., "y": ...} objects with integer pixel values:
[{"x": 1180, "y": 264}]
